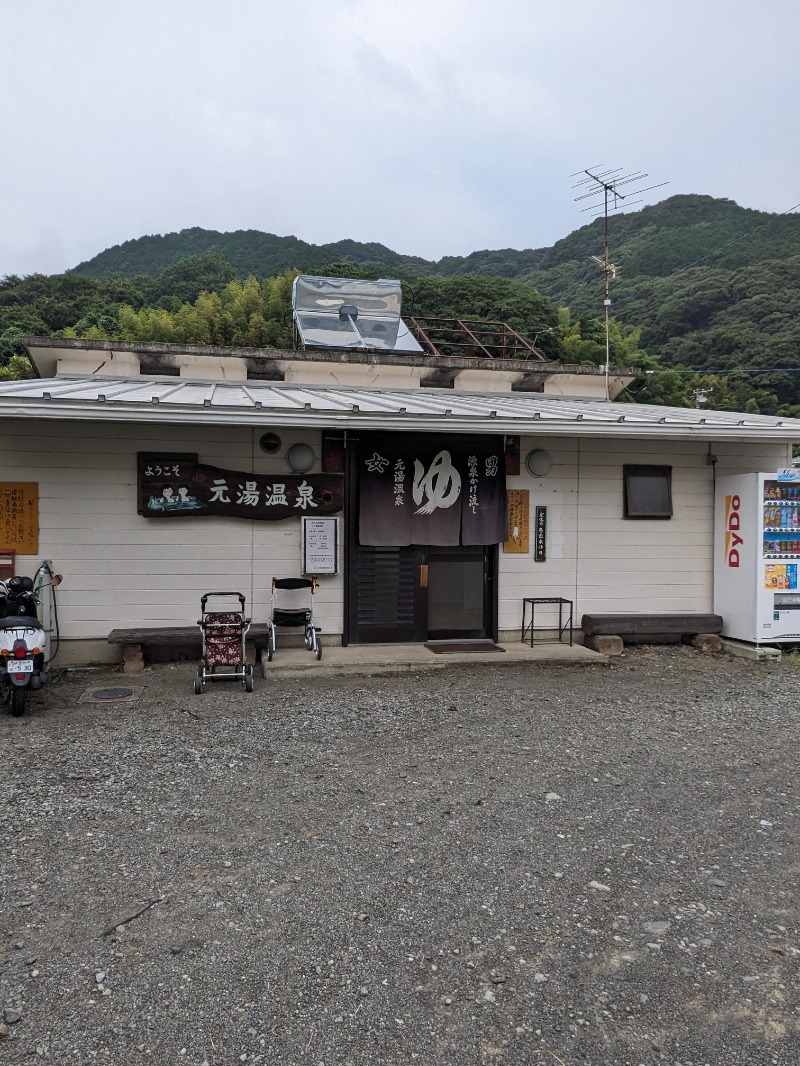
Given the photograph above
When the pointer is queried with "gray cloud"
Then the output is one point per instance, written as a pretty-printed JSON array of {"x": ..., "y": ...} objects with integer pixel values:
[{"x": 435, "y": 127}]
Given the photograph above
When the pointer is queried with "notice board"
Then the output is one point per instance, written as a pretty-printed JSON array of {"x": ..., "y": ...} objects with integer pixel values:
[
  {"x": 19, "y": 516},
  {"x": 320, "y": 546}
]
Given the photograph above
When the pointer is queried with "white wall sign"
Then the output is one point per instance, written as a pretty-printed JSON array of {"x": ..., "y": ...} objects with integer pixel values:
[{"x": 320, "y": 546}]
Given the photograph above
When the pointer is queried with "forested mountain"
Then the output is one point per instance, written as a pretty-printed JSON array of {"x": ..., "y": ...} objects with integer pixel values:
[
  {"x": 653, "y": 242},
  {"x": 248, "y": 251},
  {"x": 711, "y": 285},
  {"x": 706, "y": 295}
]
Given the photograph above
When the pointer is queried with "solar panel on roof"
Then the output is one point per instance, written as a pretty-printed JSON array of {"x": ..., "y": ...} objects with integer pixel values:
[{"x": 348, "y": 313}]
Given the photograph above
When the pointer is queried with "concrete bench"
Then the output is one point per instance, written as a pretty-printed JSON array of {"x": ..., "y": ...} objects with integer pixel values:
[
  {"x": 607, "y": 633},
  {"x": 168, "y": 639}
]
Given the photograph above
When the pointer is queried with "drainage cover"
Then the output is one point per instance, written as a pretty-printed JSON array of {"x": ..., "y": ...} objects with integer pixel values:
[{"x": 126, "y": 694}]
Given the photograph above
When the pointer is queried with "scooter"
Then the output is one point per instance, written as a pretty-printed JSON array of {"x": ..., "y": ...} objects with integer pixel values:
[{"x": 23, "y": 639}]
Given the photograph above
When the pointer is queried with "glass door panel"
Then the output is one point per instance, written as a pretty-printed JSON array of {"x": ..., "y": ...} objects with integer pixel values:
[{"x": 457, "y": 593}]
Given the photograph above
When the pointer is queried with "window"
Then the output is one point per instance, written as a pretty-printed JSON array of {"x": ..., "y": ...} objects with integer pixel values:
[{"x": 648, "y": 491}]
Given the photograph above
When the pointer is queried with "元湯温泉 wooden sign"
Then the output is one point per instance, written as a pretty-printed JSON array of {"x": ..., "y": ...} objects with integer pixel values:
[{"x": 177, "y": 486}]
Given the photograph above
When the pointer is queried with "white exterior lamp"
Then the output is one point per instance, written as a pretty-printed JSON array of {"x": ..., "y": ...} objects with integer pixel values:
[
  {"x": 538, "y": 463},
  {"x": 300, "y": 458}
]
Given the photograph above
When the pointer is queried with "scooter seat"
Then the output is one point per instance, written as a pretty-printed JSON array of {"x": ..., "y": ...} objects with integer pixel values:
[{"x": 20, "y": 621}]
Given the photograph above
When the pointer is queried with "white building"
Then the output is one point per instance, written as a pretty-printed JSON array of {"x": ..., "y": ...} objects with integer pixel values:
[{"x": 623, "y": 494}]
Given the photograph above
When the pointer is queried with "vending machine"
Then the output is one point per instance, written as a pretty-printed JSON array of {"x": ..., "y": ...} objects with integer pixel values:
[{"x": 757, "y": 556}]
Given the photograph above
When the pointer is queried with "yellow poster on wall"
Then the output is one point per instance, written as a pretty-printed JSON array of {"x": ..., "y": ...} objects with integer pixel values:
[
  {"x": 518, "y": 521},
  {"x": 19, "y": 516}
]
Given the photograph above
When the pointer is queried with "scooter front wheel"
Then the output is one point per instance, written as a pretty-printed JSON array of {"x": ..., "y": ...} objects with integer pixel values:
[{"x": 19, "y": 697}]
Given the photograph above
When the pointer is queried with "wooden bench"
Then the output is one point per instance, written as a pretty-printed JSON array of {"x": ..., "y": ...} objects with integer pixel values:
[
  {"x": 607, "y": 633},
  {"x": 188, "y": 638}
]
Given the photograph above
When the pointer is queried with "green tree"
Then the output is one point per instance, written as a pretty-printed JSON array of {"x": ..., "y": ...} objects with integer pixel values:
[
  {"x": 17, "y": 366},
  {"x": 186, "y": 279}
]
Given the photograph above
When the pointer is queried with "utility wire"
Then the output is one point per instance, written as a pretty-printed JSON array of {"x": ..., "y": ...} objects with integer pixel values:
[{"x": 733, "y": 370}]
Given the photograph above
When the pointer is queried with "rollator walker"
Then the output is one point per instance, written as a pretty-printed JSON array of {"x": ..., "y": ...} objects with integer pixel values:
[
  {"x": 292, "y": 607},
  {"x": 224, "y": 634}
]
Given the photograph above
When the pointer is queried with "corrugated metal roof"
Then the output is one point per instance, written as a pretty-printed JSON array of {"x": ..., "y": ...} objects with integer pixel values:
[{"x": 259, "y": 402}]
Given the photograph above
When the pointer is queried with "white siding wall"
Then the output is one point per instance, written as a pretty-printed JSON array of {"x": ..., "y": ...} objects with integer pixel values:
[
  {"x": 519, "y": 575},
  {"x": 604, "y": 562},
  {"x": 124, "y": 570}
]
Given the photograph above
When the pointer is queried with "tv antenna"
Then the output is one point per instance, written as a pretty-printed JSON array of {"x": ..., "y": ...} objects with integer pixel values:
[{"x": 604, "y": 185}]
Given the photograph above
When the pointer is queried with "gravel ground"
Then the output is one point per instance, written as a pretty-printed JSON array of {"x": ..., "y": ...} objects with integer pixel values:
[{"x": 483, "y": 864}]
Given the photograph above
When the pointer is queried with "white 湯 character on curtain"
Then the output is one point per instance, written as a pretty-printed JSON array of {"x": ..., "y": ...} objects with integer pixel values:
[{"x": 441, "y": 484}]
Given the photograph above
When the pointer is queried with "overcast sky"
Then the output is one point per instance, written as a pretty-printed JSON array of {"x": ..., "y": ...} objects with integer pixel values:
[{"x": 435, "y": 127}]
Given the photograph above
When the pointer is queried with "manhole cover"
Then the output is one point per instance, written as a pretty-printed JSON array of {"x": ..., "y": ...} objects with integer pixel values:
[{"x": 129, "y": 693}]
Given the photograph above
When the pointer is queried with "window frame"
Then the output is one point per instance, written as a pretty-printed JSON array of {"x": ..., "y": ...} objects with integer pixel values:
[{"x": 631, "y": 470}]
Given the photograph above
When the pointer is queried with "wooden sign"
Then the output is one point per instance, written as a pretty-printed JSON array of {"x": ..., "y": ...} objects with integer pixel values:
[
  {"x": 518, "y": 540},
  {"x": 19, "y": 516},
  {"x": 333, "y": 452},
  {"x": 512, "y": 455},
  {"x": 177, "y": 486}
]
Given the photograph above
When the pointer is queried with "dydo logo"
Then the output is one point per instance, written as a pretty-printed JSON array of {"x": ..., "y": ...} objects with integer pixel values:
[{"x": 733, "y": 537}]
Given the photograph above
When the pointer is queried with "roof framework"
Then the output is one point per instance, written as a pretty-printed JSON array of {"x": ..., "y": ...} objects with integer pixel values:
[{"x": 472, "y": 337}]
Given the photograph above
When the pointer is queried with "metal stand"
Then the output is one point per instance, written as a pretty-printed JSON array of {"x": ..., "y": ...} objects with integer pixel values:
[{"x": 564, "y": 624}]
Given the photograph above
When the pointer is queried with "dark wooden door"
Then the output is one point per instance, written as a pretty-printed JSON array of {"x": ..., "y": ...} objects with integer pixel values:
[{"x": 403, "y": 595}]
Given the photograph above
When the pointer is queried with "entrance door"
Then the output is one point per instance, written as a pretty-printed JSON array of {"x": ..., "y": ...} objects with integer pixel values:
[
  {"x": 401, "y": 595},
  {"x": 459, "y": 582},
  {"x": 414, "y": 594}
]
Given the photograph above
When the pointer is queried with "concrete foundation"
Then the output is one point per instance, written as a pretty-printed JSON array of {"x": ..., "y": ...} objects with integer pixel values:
[
  {"x": 606, "y": 645},
  {"x": 759, "y": 652}
]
